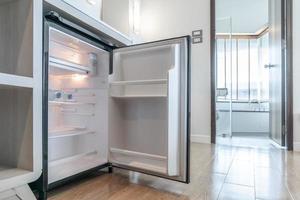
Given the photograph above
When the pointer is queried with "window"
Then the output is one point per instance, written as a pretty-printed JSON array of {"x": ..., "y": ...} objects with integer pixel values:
[{"x": 240, "y": 68}]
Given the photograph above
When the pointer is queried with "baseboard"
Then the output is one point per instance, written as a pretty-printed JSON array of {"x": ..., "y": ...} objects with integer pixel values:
[
  {"x": 204, "y": 139},
  {"x": 297, "y": 146}
]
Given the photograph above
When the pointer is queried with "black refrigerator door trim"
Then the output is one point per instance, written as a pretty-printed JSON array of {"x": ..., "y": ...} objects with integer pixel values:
[
  {"x": 188, "y": 120},
  {"x": 42, "y": 184},
  {"x": 55, "y": 17}
]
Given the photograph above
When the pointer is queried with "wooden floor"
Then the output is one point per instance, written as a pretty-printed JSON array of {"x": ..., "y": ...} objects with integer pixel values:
[{"x": 217, "y": 172}]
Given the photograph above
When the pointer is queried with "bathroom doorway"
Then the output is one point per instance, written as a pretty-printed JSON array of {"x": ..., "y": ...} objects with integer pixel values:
[{"x": 251, "y": 74}]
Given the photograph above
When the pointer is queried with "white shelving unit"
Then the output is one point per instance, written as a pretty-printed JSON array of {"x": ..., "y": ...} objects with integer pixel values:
[{"x": 20, "y": 95}]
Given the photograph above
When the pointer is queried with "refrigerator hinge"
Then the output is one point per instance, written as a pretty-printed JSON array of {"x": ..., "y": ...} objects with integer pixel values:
[
  {"x": 284, "y": 130},
  {"x": 110, "y": 168}
]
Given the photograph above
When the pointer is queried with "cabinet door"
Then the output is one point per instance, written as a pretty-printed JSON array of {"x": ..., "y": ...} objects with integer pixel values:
[{"x": 149, "y": 108}]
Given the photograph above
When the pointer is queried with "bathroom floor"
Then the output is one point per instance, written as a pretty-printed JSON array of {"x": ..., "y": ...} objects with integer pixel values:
[
  {"x": 254, "y": 140},
  {"x": 217, "y": 172}
]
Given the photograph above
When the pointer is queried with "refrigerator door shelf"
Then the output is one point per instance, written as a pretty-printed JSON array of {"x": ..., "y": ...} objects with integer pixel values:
[
  {"x": 135, "y": 159},
  {"x": 139, "y": 89}
]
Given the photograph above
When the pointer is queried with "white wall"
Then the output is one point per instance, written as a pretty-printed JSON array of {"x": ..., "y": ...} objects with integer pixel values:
[
  {"x": 296, "y": 65},
  {"x": 116, "y": 14},
  {"x": 248, "y": 16},
  {"x": 172, "y": 18}
]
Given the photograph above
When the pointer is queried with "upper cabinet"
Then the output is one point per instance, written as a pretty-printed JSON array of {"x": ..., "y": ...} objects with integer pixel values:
[
  {"x": 90, "y": 7},
  {"x": 87, "y": 14}
]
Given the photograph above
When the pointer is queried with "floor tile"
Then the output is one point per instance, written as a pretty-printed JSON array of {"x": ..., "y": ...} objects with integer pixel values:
[
  {"x": 236, "y": 192},
  {"x": 217, "y": 172},
  {"x": 241, "y": 172},
  {"x": 270, "y": 184}
]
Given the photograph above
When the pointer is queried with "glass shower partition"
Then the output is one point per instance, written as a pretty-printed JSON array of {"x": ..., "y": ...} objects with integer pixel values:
[{"x": 224, "y": 75}]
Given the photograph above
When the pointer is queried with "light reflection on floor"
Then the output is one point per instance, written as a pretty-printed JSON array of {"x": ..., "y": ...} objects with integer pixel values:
[{"x": 252, "y": 140}]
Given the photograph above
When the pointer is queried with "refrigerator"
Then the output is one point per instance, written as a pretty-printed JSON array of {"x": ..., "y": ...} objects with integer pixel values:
[{"x": 105, "y": 106}]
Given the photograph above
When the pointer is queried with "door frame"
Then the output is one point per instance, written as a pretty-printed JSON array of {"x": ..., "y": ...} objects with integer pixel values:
[{"x": 287, "y": 80}]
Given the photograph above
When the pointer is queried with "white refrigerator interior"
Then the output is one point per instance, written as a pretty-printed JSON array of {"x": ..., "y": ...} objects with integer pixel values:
[
  {"x": 77, "y": 107},
  {"x": 135, "y": 117}
]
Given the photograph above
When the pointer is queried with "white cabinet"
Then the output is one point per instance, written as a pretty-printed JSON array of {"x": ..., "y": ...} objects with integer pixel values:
[
  {"x": 20, "y": 93},
  {"x": 92, "y": 8}
]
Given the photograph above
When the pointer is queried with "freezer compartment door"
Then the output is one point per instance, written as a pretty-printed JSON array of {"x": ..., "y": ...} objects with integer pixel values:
[{"x": 149, "y": 108}]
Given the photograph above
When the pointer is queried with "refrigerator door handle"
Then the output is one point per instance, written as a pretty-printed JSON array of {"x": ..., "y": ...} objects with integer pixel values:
[{"x": 174, "y": 114}]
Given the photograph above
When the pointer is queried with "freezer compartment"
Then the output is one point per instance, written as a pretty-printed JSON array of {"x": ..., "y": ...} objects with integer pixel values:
[
  {"x": 70, "y": 55},
  {"x": 16, "y": 138},
  {"x": 77, "y": 106},
  {"x": 16, "y": 37}
]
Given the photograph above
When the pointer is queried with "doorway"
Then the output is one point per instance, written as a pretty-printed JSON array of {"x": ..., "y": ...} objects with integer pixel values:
[{"x": 251, "y": 73}]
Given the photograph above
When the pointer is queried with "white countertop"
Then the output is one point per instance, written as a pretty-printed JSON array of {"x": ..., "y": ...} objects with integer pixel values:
[{"x": 96, "y": 26}]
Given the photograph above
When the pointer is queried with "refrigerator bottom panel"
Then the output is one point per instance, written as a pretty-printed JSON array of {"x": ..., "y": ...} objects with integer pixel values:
[
  {"x": 77, "y": 176},
  {"x": 70, "y": 166}
]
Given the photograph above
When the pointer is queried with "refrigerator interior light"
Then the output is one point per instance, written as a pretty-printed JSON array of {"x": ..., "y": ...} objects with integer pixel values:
[{"x": 79, "y": 77}]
